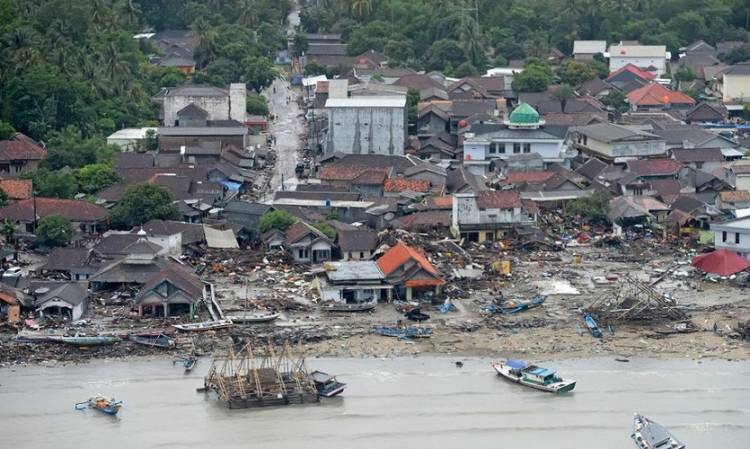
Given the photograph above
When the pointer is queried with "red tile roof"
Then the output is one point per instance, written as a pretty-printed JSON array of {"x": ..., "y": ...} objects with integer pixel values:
[
  {"x": 734, "y": 196},
  {"x": 634, "y": 70},
  {"x": 16, "y": 189},
  {"x": 78, "y": 211},
  {"x": 440, "y": 202},
  {"x": 655, "y": 94},
  {"x": 665, "y": 187},
  {"x": 358, "y": 174},
  {"x": 498, "y": 200},
  {"x": 698, "y": 154},
  {"x": 21, "y": 147},
  {"x": 722, "y": 262},
  {"x": 528, "y": 176},
  {"x": 404, "y": 185},
  {"x": 399, "y": 255},
  {"x": 651, "y": 167}
]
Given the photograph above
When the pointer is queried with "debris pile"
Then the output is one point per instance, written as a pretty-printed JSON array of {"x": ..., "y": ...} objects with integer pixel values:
[{"x": 633, "y": 300}]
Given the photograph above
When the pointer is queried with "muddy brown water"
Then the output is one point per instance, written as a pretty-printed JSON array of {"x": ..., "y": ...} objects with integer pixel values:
[{"x": 424, "y": 402}]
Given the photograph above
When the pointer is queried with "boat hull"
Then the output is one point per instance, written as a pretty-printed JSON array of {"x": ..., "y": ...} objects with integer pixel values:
[
  {"x": 350, "y": 308},
  {"x": 240, "y": 319},
  {"x": 649, "y": 435},
  {"x": 204, "y": 326},
  {"x": 85, "y": 341},
  {"x": 557, "y": 388}
]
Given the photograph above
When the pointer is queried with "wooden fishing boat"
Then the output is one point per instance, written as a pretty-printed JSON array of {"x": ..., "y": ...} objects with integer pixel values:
[
  {"x": 513, "y": 306},
  {"x": 160, "y": 340},
  {"x": 403, "y": 331},
  {"x": 533, "y": 376},
  {"x": 326, "y": 384},
  {"x": 204, "y": 326},
  {"x": 253, "y": 318},
  {"x": 593, "y": 327},
  {"x": 416, "y": 314},
  {"x": 650, "y": 435},
  {"x": 349, "y": 308},
  {"x": 102, "y": 404},
  {"x": 99, "y": 340}
]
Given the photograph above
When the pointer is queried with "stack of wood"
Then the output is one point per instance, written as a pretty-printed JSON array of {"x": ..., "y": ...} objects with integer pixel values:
[{"x": 633, "y": 300}]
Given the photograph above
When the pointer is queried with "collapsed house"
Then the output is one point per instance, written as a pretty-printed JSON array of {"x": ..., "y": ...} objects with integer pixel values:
[{"x": 633, "y": 300}]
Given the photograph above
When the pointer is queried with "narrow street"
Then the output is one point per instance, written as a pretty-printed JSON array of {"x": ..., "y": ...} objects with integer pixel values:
[{"x": 286, "y": 129}]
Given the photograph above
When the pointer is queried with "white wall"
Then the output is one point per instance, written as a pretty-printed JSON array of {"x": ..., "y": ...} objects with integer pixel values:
[
  {"x": 381, "y": 130},
  {"x": 617, "y": 62}
]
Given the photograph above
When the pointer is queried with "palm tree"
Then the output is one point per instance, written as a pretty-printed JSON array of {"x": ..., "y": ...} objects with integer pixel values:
[
  {"x": 361, "y": 8},
  {"x": 131, "y": 13},
  {"x": 248, "y": 13},
  {"x": 22, "y": 46},
  {"x": 205, "y": 42},
  {"x": 563, "y": 94},
  {"x": 471, "y": 41}
]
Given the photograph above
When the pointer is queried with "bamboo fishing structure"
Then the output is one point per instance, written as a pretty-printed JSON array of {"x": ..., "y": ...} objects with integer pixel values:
[{"x": 260, "y": 377}]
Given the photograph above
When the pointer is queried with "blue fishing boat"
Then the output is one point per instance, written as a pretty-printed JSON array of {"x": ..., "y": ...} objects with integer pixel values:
[
  {"x": 511, "y": 307},
  {"x": 188, "y": 362},
  {"x": 533, "y": 376},
  {"x": 101, "y": 403},
  {"x": 403, "y": 331},
  {"x": 593, "y": 327},
  {"x": 326, "y": 384}
]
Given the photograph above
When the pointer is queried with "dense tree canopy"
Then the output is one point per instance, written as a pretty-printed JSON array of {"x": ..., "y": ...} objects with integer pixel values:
[
  {"x": 141, "y": 203},
  {"x": 442, "y": 35},
  {"x": 54, "y": 230}
]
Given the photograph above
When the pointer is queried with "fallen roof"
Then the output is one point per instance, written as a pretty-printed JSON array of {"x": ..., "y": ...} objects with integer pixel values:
[{"x": 216, "y": 238}]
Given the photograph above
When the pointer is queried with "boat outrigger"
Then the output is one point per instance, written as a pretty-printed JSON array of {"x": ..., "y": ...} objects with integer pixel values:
[
  {"x": 160, "y": 340},
  {"x": 253, "y": 318},
  {"x": 326, "y": 384},
  {"x": 650, "y": 435},
  {"x": 99, "y": 340},
  {"x": 403, "y": 331},
  {"x": 102, "y": 404},
  {"x": 533, "y": 376},
  {"x": 350, "y": 308}
]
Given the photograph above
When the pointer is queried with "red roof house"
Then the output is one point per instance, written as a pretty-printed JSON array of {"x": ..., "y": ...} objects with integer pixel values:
[
  {"x": 654, "y": 167},
  {"x": 656, "y": 95},
  {"x": 18, "y": 154},
  {"x": 90, "y": 216},
  {"x": 640, "y": 73},
  {"x": 408, "y": 268},
  {"x": 722, "y": 262}
]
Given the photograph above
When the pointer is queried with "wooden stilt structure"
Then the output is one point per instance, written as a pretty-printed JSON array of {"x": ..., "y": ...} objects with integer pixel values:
[{"x": 260, "y": 378}]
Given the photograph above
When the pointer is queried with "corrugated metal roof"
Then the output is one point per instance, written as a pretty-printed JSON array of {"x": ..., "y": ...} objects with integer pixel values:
[{"x": 367, "y": 102}]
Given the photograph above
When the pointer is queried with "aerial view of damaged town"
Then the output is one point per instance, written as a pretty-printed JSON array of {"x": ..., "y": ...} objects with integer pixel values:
[{"x": 374, "y": 224}]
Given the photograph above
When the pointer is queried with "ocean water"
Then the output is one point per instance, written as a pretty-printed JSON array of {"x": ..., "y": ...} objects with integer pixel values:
[{"x": 424, "y": 402}]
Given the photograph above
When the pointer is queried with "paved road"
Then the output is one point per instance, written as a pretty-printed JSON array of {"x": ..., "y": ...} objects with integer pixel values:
[{"x": 286, "y": 128}]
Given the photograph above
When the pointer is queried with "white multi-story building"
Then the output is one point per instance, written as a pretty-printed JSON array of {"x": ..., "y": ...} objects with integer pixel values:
[
  {"x": 733, "y": 235},
  {"x": 218, "y": 104},
  {"x": 648, "y": 57},
  {"x": 367, "y": 125}
]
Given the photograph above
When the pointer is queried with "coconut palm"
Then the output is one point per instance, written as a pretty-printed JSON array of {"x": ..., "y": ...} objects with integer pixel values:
[
  {"x": 205, "y": 42},
  {"x": 361, "y": 8}
]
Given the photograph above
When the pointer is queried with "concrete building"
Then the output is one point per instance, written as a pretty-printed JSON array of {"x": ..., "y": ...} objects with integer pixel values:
[
  {"x": 488, "y": 215},
  {"x": 523, "y": 133},
  {"x": 614, "y": 143},
  {"x": 355, "y": 282},
  {"x": 367, "y": 125},
  {"x": 129, "y": 139},
  {"x": 733, "y": 235},
  {"x": 650, "y": 57},
  {"x": 217, "y": 103},
  {"x": 735, "y": 85},
  {"x": 586, "y": 50}
]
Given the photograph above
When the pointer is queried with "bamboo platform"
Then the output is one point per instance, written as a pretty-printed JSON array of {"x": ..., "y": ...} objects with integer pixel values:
[{"x": 260, "y": 377}]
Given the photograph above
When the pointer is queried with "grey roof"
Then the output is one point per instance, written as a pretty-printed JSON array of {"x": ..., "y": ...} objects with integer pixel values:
[
  {"x": 322, "y": 196},
  {"x": 327, "y": 49},
  {"x": 73, "y": 293},
  {"x": 134, "y": 160},
  {"x": 432, "y": 168},
  {"x": 217, "y": 238},
  {"x": 698, "y": 154},
  {"x": 64, "y": 259},
  {"x": 202, "y": 131},
  {"x": 244, "y": 207},
  {"x": 465, "y": 108},
  {"x": 739, "y": 69},
  {"x": 589, "y": 47},
  {"x": 193, "y": 111},
  {"x": 357, "y": 240},
  {"x": 142, "y": 246},
  {"x": 495, "y": 130},
  {"x": 114, "y": 244},
  {"x": 354, "y": 271},
  {"x": 194, "y": 90},
  {"x": 609, "y": 132},
  {"x": 120, "y": 271},
  {"x": 191, "y": 233},
  {"x": 591, "y": 168},
  {"x": 685, "y": 133},
  {"x": 399, "y": 163}
]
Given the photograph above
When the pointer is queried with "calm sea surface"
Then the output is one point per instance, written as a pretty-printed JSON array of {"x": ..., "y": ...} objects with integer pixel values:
[{"x": 421, "y": 402}]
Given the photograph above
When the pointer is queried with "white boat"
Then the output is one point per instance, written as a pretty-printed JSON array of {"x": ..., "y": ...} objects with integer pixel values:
[
  {"x": 533, "y": 376},
  {"x": 253, "y": 318},
  {"x": 204, "y": 326},
  {"x": 650, "y": 435}
]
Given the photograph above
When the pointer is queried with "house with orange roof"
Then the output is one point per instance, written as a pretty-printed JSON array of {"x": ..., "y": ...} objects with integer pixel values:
[
  {"x": 489, "y": 215},
  {"x": 409, "y": 271},
  {"x": 16, "y": 189},
  {"x": 655, "y": 96}
]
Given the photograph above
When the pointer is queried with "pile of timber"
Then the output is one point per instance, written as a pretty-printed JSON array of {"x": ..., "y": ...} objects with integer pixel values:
[
  {"x": 260, "y": 377},
  {"x": 632, "y": 300}
]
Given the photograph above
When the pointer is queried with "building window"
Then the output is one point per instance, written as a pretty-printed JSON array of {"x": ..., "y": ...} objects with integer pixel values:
[
  {"x": 516, "y": 148},
  {"x": 527, "y": 148},
  {"x": 501, "y": 148},
  {"x": 585, "y": 140},
  {"x": 723, "y": 236},
  {"x": 493, "y": 148},
  {"x": 737, "y": 238},
  {"x": 361, "y": 255},
  {"x": 699, "y": 165}
]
